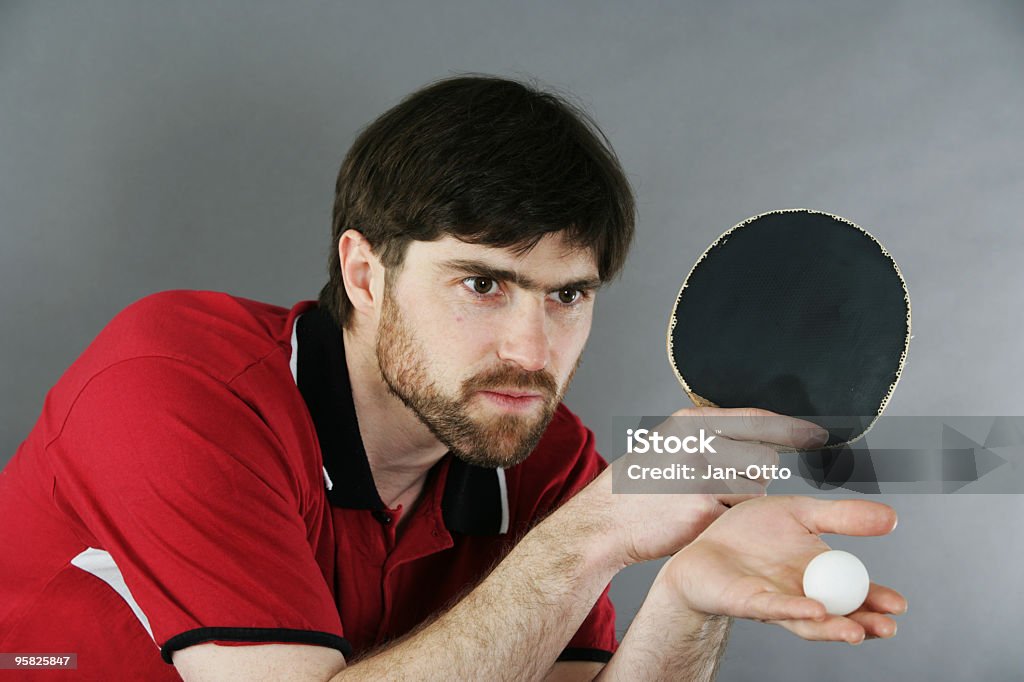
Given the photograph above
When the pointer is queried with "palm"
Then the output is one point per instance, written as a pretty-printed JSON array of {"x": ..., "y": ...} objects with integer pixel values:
[
  {"x": 750, "y": 563},
  {"x": 748, "y": 552}
]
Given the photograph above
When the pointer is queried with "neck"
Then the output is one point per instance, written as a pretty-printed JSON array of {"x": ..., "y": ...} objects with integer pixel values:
[{"x": 399, "y": 447}]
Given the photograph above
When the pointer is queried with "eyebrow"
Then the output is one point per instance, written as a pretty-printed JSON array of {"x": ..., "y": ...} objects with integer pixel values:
[{"x": 482, "y": 269}]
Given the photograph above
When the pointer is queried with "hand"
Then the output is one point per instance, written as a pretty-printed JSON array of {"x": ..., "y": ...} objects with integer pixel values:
[
  {"x": 648, "y": 526},
  {"x": 750, "y": 564}
]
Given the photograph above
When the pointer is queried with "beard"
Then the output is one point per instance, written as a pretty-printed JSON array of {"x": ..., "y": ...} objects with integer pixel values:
[{"x": 501, "y": 441}]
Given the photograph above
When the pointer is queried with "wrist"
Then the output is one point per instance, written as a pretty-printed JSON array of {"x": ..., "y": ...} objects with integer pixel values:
[
  {"x": 671, "y": 588},
  {"x": 586, "y": 523},
  {"x": 690, "y": 643}
]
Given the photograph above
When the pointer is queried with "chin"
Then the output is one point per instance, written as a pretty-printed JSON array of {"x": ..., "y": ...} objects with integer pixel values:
[{"x": 489, "y": 461}]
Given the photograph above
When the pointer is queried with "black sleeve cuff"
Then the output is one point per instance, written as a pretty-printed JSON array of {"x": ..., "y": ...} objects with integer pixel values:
[
  {"x": 200, "y": 635},
  {"x": 584, "y": 654}
]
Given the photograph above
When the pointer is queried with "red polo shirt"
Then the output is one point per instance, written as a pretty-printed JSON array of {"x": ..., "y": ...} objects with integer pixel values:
[{"x": 198, "y": 475}]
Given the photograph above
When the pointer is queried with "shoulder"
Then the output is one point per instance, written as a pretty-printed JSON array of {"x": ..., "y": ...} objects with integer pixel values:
[
  {"x": 190, "y": 333},
  {"x": 216, "y": 332}
]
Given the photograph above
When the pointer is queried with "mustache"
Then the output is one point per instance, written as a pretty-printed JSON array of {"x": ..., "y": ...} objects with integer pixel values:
[{"x": 506, "y": 376}]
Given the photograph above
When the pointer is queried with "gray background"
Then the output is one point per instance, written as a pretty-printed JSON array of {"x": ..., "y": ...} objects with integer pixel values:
[{"x": 147, "y": 146}]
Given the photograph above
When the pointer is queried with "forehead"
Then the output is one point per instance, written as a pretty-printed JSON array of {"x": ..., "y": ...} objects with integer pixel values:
[{"x": 552, "y": 259}]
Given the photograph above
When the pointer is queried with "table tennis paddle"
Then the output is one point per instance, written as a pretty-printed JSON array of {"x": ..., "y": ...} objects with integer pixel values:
[{"x": 798, "y": 312}]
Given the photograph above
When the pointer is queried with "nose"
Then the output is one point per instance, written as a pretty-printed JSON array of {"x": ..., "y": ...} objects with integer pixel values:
[{"x": 524, "y": 340}]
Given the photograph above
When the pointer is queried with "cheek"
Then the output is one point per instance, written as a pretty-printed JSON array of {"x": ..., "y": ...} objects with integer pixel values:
[
  {"x": 452, "y": 338},
  {"x": 465, "y": 320},
  {"x": 570, "y": 341},
  {"x": 568, "y": 349}
]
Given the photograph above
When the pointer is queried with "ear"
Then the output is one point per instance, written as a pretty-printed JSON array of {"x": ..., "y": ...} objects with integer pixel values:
[{"x": 361, "y": 272}]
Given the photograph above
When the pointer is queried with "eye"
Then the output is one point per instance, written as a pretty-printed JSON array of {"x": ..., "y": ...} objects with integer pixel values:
[
  {"x": 481, "y": 285},
  {"x": 569, "y": 296}
]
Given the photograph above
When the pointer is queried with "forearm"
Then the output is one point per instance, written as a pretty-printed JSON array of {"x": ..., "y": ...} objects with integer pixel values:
[
  {"x": 515, "y": 622},
  {"x": 667, "y": 641}
]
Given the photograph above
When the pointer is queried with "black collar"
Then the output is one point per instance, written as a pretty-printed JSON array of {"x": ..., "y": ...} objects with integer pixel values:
[{"x": 475, "y": 498}]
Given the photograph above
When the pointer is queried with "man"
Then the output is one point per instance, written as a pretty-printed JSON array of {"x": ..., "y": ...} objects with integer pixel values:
[{"x": 385, "y": 484}]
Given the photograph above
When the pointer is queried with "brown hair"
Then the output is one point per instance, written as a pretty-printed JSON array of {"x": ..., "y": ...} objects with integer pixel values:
[{"x": 489, "y": 161}]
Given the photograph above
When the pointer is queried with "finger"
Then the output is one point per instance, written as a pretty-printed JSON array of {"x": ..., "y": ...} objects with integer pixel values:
[
  {"x": 734, "y": 499},
  {"x": 752, "y": 424},
  {"x": 770, "y": 605},
  {"x": 844, "y": 517},
  {"x": 740, "y": 455},
  {"x": 832, "y": 629},
  {"x": 743, "y": 486},
  {"x": 885, "y": 600},
  {"x": 740, "y": 490},
  {"x": 874, "y": 624}
]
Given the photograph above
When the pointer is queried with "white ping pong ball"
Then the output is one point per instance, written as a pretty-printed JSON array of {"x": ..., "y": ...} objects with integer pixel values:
[{"x": 838, "y": 580}]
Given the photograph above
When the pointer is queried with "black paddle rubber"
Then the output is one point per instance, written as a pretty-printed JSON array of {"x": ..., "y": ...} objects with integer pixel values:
[{"x": 798, "y": 312}]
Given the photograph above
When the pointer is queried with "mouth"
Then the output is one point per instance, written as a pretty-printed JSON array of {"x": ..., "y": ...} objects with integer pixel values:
[
  {"x": 512, "y": 393},
  {"x": 512, "y": 399}
]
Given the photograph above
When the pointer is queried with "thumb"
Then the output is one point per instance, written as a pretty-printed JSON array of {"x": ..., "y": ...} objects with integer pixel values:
[{"x": 844, "y": 517}]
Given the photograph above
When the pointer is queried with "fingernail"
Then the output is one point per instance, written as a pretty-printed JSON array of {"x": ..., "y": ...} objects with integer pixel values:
[{"x": 816, "y": 438}]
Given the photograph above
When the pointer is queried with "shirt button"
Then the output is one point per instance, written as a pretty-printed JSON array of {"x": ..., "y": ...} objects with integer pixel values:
[{"x": 382, "y": 517}]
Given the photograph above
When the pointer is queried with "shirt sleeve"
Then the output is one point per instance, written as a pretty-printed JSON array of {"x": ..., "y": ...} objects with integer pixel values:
[{"x": 191, "y": 493}]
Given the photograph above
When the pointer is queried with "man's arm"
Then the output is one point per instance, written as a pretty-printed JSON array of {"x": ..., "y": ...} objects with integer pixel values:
[
  {"x": 512, "y": 626},
  {"x": 668, "y": 641},
  {"x": 662, "y": 643},
  {"x": 518, "y": 619}
]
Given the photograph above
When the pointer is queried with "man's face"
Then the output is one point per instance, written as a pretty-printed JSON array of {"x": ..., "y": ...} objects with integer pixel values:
[{"x": 482, "y": 343}]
